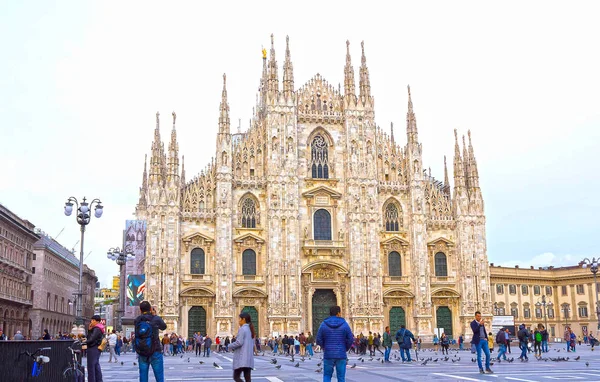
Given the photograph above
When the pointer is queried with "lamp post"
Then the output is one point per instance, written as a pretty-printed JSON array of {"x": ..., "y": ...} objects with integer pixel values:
[
  {"x": 566, "y": 311},
  {"x": 121, "y": 258},
  {"x": 593, "y": 265},
  {"x": 83, "y": 218},
  {"x": 546, "y": 305},
  {"x": 495, "y": 309}
]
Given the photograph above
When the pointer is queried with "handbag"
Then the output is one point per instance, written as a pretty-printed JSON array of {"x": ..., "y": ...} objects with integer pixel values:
[{"x": 103, "y": 344}]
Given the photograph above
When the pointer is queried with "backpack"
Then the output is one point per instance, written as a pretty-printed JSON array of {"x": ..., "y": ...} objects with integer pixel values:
[
  {"x": 538, "y": 337},
  {"x": 145, "y": 337},
  {"x": 500, "y": 337}
]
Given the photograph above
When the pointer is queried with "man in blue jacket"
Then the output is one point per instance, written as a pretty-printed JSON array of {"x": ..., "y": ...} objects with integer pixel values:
[
  {"x": 481, "y": 343},
  {"x": 405, "y": 339},
  {"x": 335, "y": 338}
]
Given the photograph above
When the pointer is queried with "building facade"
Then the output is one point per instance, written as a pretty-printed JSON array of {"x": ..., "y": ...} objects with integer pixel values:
[
  {"x": 314, "y": 206},
  {"x": 569, "y": 294},
  {"x": 17, "y": 238},
  {"x": 55, "y": 280}
]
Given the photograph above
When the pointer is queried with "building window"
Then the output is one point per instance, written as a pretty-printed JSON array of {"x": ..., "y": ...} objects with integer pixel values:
[
  {"x": 550, "y": 312},
  {"x": 499, "y": 289},
  {"x": 563, "y": 289},
  {"x": 441, "y": 265},
  {"x": 33, "y": 270},
  {"x": 322, "y": 225},
  {"x": 392, "y": 218},
  {"x": 524, "y": 289},
  {"x": 394, "y": 266},
  {"x": 579, "y": 289},
  {"x": 319, "y": 158},
  {"x": 583, "y": 311},
  {"x": 197, "y": 261},
  {"x": 552, "y": 331},
  {"x": 538, "y": 312},
  {"x": 526, "y": 313},
  {"x": 249, "y": 262},
  {"x": 34, "y": 257},
  {"x": 536, "y": 290},
  {"x": 512, "y": 289},
  {"x": 514, "y": 312},
  {"x": 250, "y": 216},
  {"x": 548, "y": 291}
]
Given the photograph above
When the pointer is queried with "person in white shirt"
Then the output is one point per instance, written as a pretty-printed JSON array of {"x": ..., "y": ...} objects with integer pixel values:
[{"x": 112, "y": 342}]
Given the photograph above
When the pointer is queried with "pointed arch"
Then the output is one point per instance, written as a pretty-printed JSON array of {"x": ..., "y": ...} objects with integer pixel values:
[
  {"x": 249, "y": 211},
  {"x": 320, "y": 146},
  {"x": 392, "y": 215}
]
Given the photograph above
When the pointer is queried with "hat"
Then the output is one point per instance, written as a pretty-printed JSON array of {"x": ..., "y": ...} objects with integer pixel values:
[{"x": 96, "y": 317}]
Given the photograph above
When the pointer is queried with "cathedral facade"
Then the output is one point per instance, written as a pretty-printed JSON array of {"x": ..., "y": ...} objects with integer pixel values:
[{"x": 314, "y": 206}]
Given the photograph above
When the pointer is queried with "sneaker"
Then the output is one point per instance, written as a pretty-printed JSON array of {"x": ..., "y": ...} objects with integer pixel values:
[
  {"x": 481, "y": 371},
  {"x": 489, "y": 371}
]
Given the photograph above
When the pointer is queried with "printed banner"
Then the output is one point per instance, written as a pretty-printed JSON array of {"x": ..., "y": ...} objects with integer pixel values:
[
  {"x": 135, "y": 238},
  {"x": 136, "y": 286}
]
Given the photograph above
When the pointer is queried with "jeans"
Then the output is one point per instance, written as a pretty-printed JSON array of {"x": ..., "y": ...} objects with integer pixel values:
[
  {"x": 118, "y": 350},
  {"x": 309, "y": 349},
  {"x": 568, "y": 345},
  {"x": 545, "y": 346},
  {"x": 340, "y": 369},
  {"x": 405, "y": 354},
  {"x": 93, "y": 365},
  {"x": 207, "y": 351},
  {"x": 502, "y": 352},
  {"x": 523, "y": 346},
  {"x": 483, "y": 345},
  {"x": 388, "y": 350},
  {"x": 156, "y": 361},
  {"x": 460, "y": 346},
  {"x": 275, "y": 347}
]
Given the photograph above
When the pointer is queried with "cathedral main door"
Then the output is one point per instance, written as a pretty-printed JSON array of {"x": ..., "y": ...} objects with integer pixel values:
[
  {"x": 444, "y": 319},
  {"x": 397, "y": 319},
  {"x": 196, "y": 321},
  {"x": 253, "y": 316},
  {"x": 322, "y": 300}
]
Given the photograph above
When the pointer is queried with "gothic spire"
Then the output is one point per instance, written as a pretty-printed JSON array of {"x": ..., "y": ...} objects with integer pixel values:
[
  {"x": 156, "y": 160},
  {"x": 288, "y": 71},
  {"x": 466, "y": 163},
  {"x": 144, "y": 188},
  {"x": 459, "y": 172},
  {"x": 473, "y": 173},
  {"x": 273, "y": 82},
  {"x": 446, "y": 180},
  {"x": 411, "y": 122},
  {"x": 224, "y": 127},
  {"x": 349, "y": 85},
  {"x": 263, "y": 85},
  {"x": 365, "y": 82},
  {"x": 173, "y": 160},
  {"x": 182, "y": 171},
  {"x": 392, "y": 132}
]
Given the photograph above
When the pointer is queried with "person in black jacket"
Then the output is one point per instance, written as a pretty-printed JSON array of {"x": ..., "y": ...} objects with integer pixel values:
[
  {"x": 94, "y": 339},
  {"x": 481, "y": 343},
  {"x": 156, "y": 359}
]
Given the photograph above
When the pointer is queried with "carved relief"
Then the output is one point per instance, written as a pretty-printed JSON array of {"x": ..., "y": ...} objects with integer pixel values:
[{"x": 324, "y": 273}]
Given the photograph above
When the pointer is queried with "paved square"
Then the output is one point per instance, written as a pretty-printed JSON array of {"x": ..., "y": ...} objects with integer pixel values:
[{"x": 179, "y": 369}]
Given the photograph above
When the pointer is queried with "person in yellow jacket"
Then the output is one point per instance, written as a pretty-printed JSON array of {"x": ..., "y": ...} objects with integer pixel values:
[{"x": 491, "y": 342}]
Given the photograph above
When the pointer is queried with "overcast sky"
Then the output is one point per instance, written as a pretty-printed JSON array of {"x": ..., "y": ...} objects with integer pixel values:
[{"x": 80, "y": 83}]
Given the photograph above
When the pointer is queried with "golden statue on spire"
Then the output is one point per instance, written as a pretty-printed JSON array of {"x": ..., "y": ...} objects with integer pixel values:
[{"x": 264, "y": 52}]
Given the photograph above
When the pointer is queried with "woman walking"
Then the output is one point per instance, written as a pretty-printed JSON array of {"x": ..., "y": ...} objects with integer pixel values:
[{"x": 243, "y": 349}]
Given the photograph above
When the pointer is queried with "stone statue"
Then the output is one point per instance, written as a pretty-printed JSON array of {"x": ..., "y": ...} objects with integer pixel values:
[{"x": 305, "y": 232}]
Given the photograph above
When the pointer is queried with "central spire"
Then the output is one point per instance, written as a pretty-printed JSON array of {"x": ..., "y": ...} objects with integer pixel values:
[
  {"x": 224, "y": 127},
  {"x": 273, "y": 82},
  {"x": 349, "y": 85},
  {"x": 288, "y": 71},
  {"x": 365, "y": 83},
  {"x": 411, "y": 121}
]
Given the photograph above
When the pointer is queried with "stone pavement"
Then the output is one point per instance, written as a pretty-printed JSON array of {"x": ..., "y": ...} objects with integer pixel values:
[{"x": 179, "y": 369}]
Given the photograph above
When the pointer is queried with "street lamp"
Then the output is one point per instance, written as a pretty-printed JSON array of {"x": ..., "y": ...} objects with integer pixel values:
[
  {"x": 495, "y": 309},
  {"x": 120, "y": 257},
  {"x": 593, "y": 265},
  {"x": 566, "y": 310},
  {"x": 546, "y": 305},
  {"x": 83, "y": 218}
]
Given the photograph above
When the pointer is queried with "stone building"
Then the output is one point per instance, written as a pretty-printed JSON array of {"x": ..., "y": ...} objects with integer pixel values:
[
  {"x": 568, "y": 291},
  {"x": 313, "y": 206},
  {"x": 16, "y": 253},
  {"x": 55, "y": 280}
]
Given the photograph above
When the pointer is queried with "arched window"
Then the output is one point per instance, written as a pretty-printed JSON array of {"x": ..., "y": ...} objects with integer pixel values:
[
  {"x": 441, "y": 265},
  {"x": 524, "y": 289},
  {"x": 536, "y": 290},
  {"x": 250, "y": 216},
  {"x": 392, "y": 218},
  {"x": 197, "y": 261},
  {"x": 394, "y": 265},
  {"x": 499, "y": 289},
  {"x": 319, "y": 158},
  {"x": 322, "y": 225},
  {"x": 512, "y": 289},
  {"x": 249, "y": 262}
]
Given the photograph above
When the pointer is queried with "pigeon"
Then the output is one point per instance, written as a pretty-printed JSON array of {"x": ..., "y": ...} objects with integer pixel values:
[
  {"x": 362, "y": 360},
  {"x": 577, "y": 358},
  {"x": 278, "y": 367},
  {"x": 351, "y": 367},
  {"x": 297, "y": 364},
  {"x": 382, "y": 361},
  {"x": 274, "y": 361},
  {"x": 379, "y": 358},
  {"x": 134, "y": 364},
  {"x": 587, "y": 364},
  {"x": 215, "y": 364},
  {"x": 181, "y": 356},
  {"x": 188, "y": 359},
  {"x": 318, "y": 370},
  {"x": 424, "y": 363},
  {"x": 201, "y": 362},
  {"x": 121, "y": 363}
]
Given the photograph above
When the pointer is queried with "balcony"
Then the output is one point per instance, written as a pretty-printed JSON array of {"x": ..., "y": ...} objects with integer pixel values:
[
  {"x": 396, "y": 280},
  {"x": 249, "y": 280},
  {"x": 197, "y": 279},
  {"x": 8, "y": 297},
  {"x": 323, "y": 247}
]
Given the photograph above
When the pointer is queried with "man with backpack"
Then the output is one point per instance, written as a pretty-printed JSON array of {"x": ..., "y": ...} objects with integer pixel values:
[
  {"x": 501, "y": 341},
  {"x": 147, "y": 344},
  {"x": 405, "y": 339},
  {"x": 523, "y": 336}
]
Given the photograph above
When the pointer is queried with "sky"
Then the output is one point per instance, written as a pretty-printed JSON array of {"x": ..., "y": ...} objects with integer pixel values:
[{"x": 80, "y": 83}]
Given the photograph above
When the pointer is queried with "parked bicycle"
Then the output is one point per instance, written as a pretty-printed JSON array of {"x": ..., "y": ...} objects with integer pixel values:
[
  {"x": 38, "y": 360},
  {"x": 74, "y": 371}
]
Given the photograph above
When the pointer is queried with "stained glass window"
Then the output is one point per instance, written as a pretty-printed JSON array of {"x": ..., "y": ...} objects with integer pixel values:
[
  {"x": 394, "y": 266},
  {"x": 391, "y": 217},
  {"x": 249, "y": 262},
  {"x": 319, "y": 158},
  {"x": 322, "y": 225},
  {"x": 249, "y": 213},
  {"x": 441, "y": 265},
  {"x": 197, "y": 261}
]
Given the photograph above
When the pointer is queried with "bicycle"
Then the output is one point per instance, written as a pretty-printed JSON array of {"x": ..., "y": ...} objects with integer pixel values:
[
  {"x": 38, "y": 360},
  {"x": 73, "y": 371}
]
